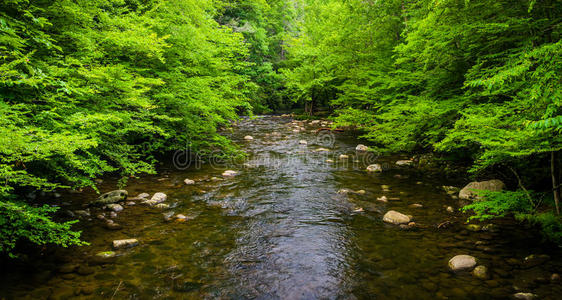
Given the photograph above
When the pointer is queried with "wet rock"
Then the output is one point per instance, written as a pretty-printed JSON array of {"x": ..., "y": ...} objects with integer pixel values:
[
  {"x": 142, "y": 196},
  {"x": 329, "y": 160},
  {"x": 450, "y": 209},
  {"x": 106, "y": 254},
  {"x": 412, "y": 224},
  {"x": 480, "y": 272},
  {"x": 162, "y": 206},
  {"x": 343, "y": 156},
  {"x": 462, "y": 262},
  {"x": 87, "y": 290},
  {"x": 113, "y": 215},
  {"x": 85, "y": 270},
  {"x": 68, "y": 268},
  {"x": 156, "y": 198},
  {"x": 189, "y": 181},
  {"x": 229, "y": 173},
  {"x": 470, "y": 192},
  {"x": 416, "y": 205},
  {"x": 82, "y": 213},
  {"x": 395, "y": 217},
  {"x": 111, "y": 225},
  {"x": 490, "y": 228},
  {"x": 525, "y": 296},
  {"x": 474, "y": 227},
  {"x": 374, "y": 168},
  {"x": 555, "y": 277},
  {"x": 382, "y": 199},
  {"x": 112, "y": 197},
  {"x": 101, "y": 216},
  {"x": 114, "y": 207},
  {"x": 358, "y": 210},
  {"x": 361, "y": 147},
  {"x": 130, "y": 203},
  {"x": 535, "y": 260},
  {"x": 126, "y": 243},
  {"x": 450, "y": 190},
  {"x": 303, "y": 142},
  {"x": 322, "y": 150},
  {"x": 403, "y": 163},
  {"x": 248, "y": 138}
]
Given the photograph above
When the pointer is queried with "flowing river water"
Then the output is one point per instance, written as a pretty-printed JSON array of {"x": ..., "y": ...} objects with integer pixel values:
[{"x": 280, "y": 230}]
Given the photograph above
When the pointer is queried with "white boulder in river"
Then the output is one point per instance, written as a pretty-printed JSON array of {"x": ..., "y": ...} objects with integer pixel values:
[
  {"x": 471, "y": 190},
  {"x": 374, "y": 168},
  {"x": 118, "y": 244},
  {"x": 395, "y": 217},
  {"x": 462, "y": 262}
]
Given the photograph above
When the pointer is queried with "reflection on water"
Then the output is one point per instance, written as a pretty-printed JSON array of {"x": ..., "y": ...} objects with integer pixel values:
[{"x": 280, "y": 230}]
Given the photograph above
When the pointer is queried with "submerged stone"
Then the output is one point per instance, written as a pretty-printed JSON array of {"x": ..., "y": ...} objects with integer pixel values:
[
  {"x": 112, "y": 197},
  {"x": 395, "y": 217},
  {"x": 462, "y": 262},
  {"x": 126, "y": 243}
]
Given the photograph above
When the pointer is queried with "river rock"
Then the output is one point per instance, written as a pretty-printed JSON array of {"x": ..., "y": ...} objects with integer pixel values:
[
  {"x": 534, "y": 260},
  {"x": 382, "y": 199},
  {"x": 374, "y": 168},
  {"x": 106, "y": 254},
  {"x": 162, "y": 206},
  {"x": 142, "y": 196},
  {"x": 480, "y": 272},
  {"x": 229, "y": 173},
  {"x": 525, "y": 296},
  {"x": 127, "y": 243},
  {"x": 470, "y": 192},
  {"x": 416, "y": 205},
  {"x": 112, "y": 197},
  {"x": 450, "y": 209},
  {"x": 248, "y": 138},
  {"x": 189, "y": 181},
  {"x": 111, "y": 225},
  {"x": 343, "y": 156},
  {"x": 396, "y": 218},
  {"x": 130, "y": 203},
  {"x": 303, "y": 142},
  {"x": 82, "y": 213},
  {"x": 361, "y": 147},
  {"x": 404, "y": 163},
  {"x": 114, "y": 207},
  {"x": 158, "y": 198},
  {"x": 450, "y": 190},
  {"x": 462, "y": 262}
]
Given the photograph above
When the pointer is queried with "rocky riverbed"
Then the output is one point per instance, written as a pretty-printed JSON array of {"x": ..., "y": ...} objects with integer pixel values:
[{"x": 311, "y": 213}]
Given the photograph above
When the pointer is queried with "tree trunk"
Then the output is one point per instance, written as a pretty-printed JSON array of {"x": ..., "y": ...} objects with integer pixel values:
[{"x": 554, "y": 175}]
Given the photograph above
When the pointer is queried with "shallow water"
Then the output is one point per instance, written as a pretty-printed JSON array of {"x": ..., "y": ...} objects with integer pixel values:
[{"x": 280, "y": 230}]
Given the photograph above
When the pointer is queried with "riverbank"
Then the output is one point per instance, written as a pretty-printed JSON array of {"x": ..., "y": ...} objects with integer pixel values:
[{"x": 300, "y": 220}]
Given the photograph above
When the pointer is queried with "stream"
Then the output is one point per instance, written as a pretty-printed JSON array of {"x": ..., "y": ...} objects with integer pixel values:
[{"x": 285, "y": 228}]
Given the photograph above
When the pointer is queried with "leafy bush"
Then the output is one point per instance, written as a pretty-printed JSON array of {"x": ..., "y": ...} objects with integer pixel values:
[
  {"x": 20, "y": 221},
  {"x": 499, "y": 204}
]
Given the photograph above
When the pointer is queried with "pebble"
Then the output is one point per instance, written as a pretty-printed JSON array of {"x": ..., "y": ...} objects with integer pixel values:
[
  {"x": 450, "y": 209},
  {"x": 416, "y": 205},
  {"x": 248, "y": 138},
  {"x": 189, "y": 181}
]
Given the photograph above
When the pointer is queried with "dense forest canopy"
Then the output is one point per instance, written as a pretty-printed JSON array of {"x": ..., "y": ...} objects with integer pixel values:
[{"x": 104, "y": 86}]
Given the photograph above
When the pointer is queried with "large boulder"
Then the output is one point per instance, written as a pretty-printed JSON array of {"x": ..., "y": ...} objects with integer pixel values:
[
  {"x": 112, "y": 197},
  {"x": 470, "y": 192},
  {"x": 462, "y": 262},
  {"x": 395, "y": 217}
]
